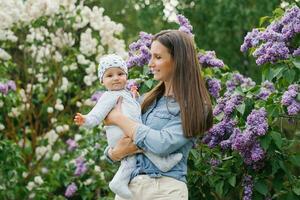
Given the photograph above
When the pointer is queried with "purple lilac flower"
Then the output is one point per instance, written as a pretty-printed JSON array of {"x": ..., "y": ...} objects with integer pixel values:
[
  {"x": 251, "y": 40},
  {"x": 3, "y": 88},
  {"x": 273, "y": 43},
  {"x": 11, "y": 85},
  {"x": 139, "y": 53},
  {"x": 246, "y": 143},
  {"x": 227, "y": 144},
  {"x": 80, "y": 166},
  {"x": 257, "y": 122},
  {"x": 248, "y": 187},
  {"x": 209, "y": 59},
  {"x": 296, "y": 52},
  {"x": 257, "y": 152},
  {"x": 215, "y": 162},
  {"x": 71, "y": 189},
  {"x": 72, "y": 144},
  {"x": 239, "y": 80},
  {"x": 185, "y": 25},
  {"x": 271, "y": 52},
  {"x": 227, "y": 104},
  {"x": 214, "y": 87},
  {"x": 131, "y": 83},
  {"x": 219, "y": 132},
  {"x": 232, "y": 103},
  {"x": 96, "y": 96},
  {"x": 289, "y": 99},
  {"x": 267, "y": 88},
  {"x": 294, "y": 108}
]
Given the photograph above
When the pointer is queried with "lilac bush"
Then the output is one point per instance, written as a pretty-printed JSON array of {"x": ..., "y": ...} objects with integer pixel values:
[{"x": 274, "y": 42}]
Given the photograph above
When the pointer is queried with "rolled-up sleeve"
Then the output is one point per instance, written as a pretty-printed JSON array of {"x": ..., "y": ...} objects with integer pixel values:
[{"x": 161, "y": 142}]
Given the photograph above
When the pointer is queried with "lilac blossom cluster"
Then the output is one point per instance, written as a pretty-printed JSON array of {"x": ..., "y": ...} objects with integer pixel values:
[
  {"x": 71, "y": 189},
  {"x": 185, "y": 25},
  {"x": 132, "y": 83},
  {"x": 238, "y": 79},
  {"x": 80, "y": 166},
  {"x": 267, "y": 88},
  {"x": 227, "y": 104},
  {"x": 209, "y": 59},
  {"x": 215, "y": 162},
  {"x": 289, "y": 99},
  {"x": 248, "y": 187},
  {"x": 214, "y": 87},
  {"x": 139, "y": 52},
  {"x": 6, "y": 87},
  {"x": 273, "y": 43},
  {"x": 246, "y": 143},
  {"x": 96, "y": 96},
  {"x": 72, "y": 144},
  {"x": 219, "y": 132}
]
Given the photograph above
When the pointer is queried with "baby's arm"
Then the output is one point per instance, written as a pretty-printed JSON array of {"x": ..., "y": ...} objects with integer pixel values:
[{"x": 104, "y": 105}]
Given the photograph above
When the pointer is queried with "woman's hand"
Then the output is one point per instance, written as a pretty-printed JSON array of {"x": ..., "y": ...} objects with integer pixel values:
[
  {"x": 113, "y": 115},
  {"x": 123, "y": 148},
  {"x": 79, "y": 119}
]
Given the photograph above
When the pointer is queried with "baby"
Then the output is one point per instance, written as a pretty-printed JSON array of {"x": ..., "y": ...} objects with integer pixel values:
[{"x": 112, "y": 72}]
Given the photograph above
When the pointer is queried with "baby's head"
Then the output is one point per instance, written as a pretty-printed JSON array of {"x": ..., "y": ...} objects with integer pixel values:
[{"x": 112, "y": 72}]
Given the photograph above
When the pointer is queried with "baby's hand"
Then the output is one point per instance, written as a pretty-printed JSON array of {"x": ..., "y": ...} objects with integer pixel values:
[{"x": 79, "y": 119}]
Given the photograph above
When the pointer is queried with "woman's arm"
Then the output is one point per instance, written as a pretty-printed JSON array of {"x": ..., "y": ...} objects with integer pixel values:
[
  {"x": 116, "y": 117},
  {"x": 161, "y": 142}
]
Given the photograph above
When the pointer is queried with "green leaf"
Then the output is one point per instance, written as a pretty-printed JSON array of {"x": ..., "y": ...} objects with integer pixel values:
[
  {"x": 261, "y": 187},
  {"x": 219, "y": 187},
  {"x": 232, "y": 181},
  {"x": 296, "y": 63},
  {"x": 295, "y": 159},
  {"x": 149, "y": 83},
  {"x": 220, "y": 116},
  {"x": 265, "y": 142},
  {"x": 298, "y": 97},
  {"x": 277, "y": 72},
  {"x": 263, "y": 20},
  {"x": 296, "y": 190},
  {"x": 277, "y": 138},
  {"x": 289, "y": 75},
  {"x": 241, "y": 108}
]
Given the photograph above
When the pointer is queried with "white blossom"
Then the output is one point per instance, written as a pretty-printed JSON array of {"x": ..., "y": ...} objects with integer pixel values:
[
  {"x": 50, "y": 109},
  {"x": 51, "y": 136},
  {"x": 56, "y": 157},
  {"x": 30, "y": 185},
  {"x": 77, "y": 137},
  {"x": 2, "y": 127},
  {"x": 78, "y": 104},
  {"x": 38, "y": 180},
  {"x": 40, "y": 151},
  {"x": 4, "y": 55},
  {"x": 88, "y": 181}
]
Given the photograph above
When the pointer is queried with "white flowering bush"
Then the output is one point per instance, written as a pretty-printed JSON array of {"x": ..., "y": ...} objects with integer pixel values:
[{"x": 49, "y": 52}]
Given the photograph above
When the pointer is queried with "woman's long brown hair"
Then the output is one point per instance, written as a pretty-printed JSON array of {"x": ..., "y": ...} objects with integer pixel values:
[{"x": 187, "y": 83}]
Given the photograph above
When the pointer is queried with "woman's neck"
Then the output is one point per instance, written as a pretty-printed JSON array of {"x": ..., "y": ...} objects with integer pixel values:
[{"x": 168, "y": 89}]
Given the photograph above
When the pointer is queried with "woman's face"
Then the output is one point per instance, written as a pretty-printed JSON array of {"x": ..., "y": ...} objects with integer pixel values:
[{"x": 161, "y": 62}]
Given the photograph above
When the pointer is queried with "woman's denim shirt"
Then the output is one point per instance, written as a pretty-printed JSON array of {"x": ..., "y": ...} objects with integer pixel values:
[{"x": 161, "y": 133}]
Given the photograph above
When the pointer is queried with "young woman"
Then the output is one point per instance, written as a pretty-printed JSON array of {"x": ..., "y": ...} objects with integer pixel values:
[{"x": 174, "y": 113}]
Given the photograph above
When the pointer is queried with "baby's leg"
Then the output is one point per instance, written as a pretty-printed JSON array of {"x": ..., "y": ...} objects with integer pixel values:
[
  {"x": 119, "y": 183},
  {"x": 164, "y": 163}
]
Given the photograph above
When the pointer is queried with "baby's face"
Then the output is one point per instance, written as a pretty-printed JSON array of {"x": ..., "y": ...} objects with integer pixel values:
[{"x": 114, "y": 79}]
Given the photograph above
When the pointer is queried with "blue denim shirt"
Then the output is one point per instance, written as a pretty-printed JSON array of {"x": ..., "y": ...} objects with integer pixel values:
[{"x": 161, "y": 133}]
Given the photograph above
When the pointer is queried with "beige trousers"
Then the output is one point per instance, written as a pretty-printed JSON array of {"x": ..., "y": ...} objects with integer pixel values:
[{"x": 164, "y": 188}]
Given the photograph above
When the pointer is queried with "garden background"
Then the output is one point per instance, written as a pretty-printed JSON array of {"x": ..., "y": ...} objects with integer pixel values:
[{"x": 49, "y": 52}]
